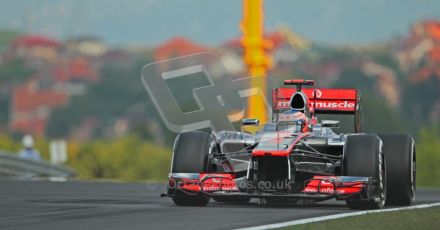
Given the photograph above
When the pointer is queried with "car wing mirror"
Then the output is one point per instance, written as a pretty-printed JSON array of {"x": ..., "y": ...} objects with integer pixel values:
[
  {"x": 250, "y": 121},
  {"x": 330, "y": 124}
]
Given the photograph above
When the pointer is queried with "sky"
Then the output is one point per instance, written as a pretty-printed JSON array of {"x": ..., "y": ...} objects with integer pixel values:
[{"x": 212, "y": 22}]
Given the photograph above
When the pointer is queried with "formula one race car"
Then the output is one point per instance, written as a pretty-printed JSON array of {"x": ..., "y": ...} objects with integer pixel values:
[{"x": 295, "y": 158}]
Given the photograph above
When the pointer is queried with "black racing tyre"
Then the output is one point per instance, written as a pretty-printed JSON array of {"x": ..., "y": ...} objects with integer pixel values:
[
  {"x": 232, "y": 199},
  {"x": 400, "y": 158},
  {"x": 190, "y": 155},
  {"x": 363, "y": 156}
]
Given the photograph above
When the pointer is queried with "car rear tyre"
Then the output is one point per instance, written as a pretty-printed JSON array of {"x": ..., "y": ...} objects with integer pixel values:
[
  {"x": 363, "y": 156},
  {"x": 400, "y": 158},
  {"x": 190, "y": 155}
]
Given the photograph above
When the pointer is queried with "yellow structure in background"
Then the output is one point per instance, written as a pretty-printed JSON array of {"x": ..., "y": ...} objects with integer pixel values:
[{"x": 255, "y": 56}]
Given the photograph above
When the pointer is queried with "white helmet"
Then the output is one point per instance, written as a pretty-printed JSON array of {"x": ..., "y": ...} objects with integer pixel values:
[{"x": 28, "y": 141}]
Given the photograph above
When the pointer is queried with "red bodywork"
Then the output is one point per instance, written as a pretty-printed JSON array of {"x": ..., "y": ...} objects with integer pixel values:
[
  {"x": 283, "y": 152},
  {"x": 319, "y": 100},
  {"x": 283, "y": 142},
  {"x": 329, "y": 185},
  {"x": 209, "y": 183},
  {"x": 325, "y": 186}
]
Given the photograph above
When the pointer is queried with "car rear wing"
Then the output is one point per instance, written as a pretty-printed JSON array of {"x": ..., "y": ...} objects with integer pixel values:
[{"x": 319, "y": 100}]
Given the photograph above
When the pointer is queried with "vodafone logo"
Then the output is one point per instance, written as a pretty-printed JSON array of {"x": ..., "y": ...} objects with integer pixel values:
[
  {"x": 317, "y": 93},
  {"x": 283, "y": 104},
  {"x": 322, "y": 190},
  {"x": 327, "y": 190},
  {"x": 308, "y": 189}
]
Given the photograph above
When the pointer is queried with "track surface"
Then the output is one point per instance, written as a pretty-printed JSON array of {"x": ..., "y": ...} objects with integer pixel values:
[{"x": 102, "y": 205}]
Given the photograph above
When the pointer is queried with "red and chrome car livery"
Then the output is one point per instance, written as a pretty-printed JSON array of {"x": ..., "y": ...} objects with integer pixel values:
[{"x": 298, "y": 159}]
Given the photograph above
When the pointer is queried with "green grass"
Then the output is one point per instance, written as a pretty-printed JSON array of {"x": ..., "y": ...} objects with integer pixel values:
[{"x": 427, "y": 218}]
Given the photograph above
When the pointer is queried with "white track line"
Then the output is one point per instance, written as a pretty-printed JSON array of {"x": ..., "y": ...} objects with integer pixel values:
[{"x": 336, "y": 216}]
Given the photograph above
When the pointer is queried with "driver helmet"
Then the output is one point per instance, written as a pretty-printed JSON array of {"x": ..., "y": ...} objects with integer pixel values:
[{"x": 298, "y": 116}]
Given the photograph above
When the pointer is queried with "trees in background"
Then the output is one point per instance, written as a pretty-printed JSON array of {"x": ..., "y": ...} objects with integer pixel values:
[
  {"x": 128, "y": 158},
  {"x": 428, "y": 157}
]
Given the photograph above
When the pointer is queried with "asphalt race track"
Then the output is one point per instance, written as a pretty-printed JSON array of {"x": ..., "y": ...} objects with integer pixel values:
[{"x": 105, "y": 205}]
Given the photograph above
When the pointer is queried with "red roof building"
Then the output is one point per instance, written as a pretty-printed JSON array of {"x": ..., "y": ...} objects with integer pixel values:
[
  {"x": 35, "y": 48},
  {"x": 35, "y": 40},
  {"x": 423, "y": 46},
  {"x": 30, "y": 108},
  {"x": 77, "y": 69},
  {"x": 177, "y": 47}
]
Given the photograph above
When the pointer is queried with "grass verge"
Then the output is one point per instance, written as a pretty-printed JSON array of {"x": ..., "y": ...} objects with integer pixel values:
[{"x": 426, "y": 218}]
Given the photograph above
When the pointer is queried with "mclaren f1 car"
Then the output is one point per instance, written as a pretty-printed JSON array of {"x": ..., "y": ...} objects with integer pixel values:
[{"x": 295, "y": 157}]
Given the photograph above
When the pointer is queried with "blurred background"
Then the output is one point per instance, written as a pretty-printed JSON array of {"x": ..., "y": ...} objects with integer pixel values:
[{"x": 70, "y": 72}]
